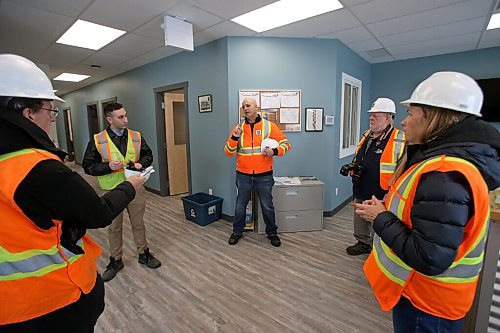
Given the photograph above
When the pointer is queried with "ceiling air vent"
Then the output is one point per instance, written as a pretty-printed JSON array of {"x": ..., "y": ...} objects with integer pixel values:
[{"x": 379, "y": 53}]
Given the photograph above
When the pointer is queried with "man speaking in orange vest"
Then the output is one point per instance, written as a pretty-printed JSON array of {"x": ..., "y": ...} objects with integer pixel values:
[
  {"x": 106, "y": 157},
  {"x": 372, "y": 167},
  {"x": 254, "y": 167}
]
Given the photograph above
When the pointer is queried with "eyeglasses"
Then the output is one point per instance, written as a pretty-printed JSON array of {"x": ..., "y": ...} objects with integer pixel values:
[{"x": 54, "y": 112}]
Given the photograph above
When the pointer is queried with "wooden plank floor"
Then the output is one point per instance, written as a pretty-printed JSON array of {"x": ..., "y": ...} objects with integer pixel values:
[{"x": 309, "y": 284}]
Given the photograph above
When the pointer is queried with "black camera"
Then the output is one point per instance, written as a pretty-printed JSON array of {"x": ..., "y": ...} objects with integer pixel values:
[{"x": 353, "y": 169}]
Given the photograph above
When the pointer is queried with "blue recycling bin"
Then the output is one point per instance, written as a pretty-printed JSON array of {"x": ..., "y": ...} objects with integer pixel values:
[{"x": 202, "y": 208}]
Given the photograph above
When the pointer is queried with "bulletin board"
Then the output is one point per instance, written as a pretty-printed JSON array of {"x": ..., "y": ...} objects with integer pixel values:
[{"x": 281, "y": 107}]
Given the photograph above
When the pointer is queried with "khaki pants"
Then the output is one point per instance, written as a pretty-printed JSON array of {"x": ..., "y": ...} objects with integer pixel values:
[
  {"x": 363, "y": 230},
  {"x": 135, "y": 211}
]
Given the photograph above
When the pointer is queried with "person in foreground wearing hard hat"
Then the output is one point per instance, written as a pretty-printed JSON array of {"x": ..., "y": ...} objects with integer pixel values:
[
  {"x": 431, "y": 230},
  {"x": 255, "y": 142},
  {"x": 372, "y": 167},
  {"x": 48, "y": 274},
  {"x": 108, "y": 154}
]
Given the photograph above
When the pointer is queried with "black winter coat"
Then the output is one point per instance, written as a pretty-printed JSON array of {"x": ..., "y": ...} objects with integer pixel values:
[
  {"x": 443, "y": 202},
  {"x": 53, "y": 191}
]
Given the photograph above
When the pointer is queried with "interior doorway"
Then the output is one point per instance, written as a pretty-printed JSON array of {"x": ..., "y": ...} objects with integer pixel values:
[
  {"x": 173, "y": 139},
  {"x": 93, "y": 119},
  {"x": 105, "y": 102},
  {"x": 68, "y": 129}
]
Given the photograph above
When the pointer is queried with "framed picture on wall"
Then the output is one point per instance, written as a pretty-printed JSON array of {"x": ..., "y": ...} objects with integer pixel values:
[
  {"x": 314, "y": 119},
  {"x": 205, "y": 103}
]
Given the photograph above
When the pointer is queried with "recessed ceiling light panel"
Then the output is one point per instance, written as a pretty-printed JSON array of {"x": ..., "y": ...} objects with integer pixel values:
[
  {"x": 284, "y": 12},
  {"x": 494, "y": 22},
  {"x": 89, "y": 35},
  {"x": 71, "y": 77}
]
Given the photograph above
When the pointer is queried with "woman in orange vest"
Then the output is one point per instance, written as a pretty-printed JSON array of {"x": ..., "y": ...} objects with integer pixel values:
[
  {"x": 431, "y": 228},
  {"x": 48, "y": 273}
]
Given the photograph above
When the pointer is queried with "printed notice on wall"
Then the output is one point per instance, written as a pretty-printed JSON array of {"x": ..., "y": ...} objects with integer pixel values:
[
  {"x": 290, "y": 99},
  {"x": 249, "y": 94}
]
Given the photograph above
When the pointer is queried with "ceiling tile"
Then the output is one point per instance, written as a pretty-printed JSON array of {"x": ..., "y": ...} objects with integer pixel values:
[
  {"x": 132, "y": 45},
  {"x": 351, "y": 35},
  {"x": 435, "y": 45},
  {"x": 125, "y": 14},
  {"x": 17, "y": 19},
  {"x": 65, "y": 7},
  {"x": 443, "y": 15},
  {"x": 160, "y": 53},
  {"x": 490, "y": 38},
  {"x": 319, "y": 25},
  {"x": 441, "y": 31},
  {"x": 226, "y": 28},
  {"x": 229, "y": 9},
  {"x": 365, "y": 45},
  {"x": 380, "y": 10},
  {"x": 105, "y": 60},
  {"x": 64, "y": 55}
]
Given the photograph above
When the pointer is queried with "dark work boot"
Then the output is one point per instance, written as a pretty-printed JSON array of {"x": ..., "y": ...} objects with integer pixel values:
[
  {"x": 358, "y": 248},
  {"x": 113, "y": 267},
  {"x": 234, "y": 239},
  {"x": 149, "y": 260},
  {"x": 275, "y": 240}
]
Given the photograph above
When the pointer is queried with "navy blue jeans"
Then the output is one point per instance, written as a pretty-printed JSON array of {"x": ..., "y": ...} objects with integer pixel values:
[
  {"x": 263, "y": 185},
  {"x": 408, "y": 319}
]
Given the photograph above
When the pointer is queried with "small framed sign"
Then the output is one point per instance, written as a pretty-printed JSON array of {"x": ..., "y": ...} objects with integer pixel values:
[
  {"x": 314, "y": 119},
  {"x": 205, "y": 103}
]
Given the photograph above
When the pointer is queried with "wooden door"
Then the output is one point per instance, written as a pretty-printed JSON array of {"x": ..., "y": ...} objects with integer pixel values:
[{"x": 175, "y": 129}]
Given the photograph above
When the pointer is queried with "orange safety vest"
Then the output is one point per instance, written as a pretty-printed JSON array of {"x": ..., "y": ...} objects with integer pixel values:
[
  {"x": 37, "y": 274},
  {"x": 249, "y": 157},
  {"x": 390, "y": 157},
  {"x": 449, "y": 294}
]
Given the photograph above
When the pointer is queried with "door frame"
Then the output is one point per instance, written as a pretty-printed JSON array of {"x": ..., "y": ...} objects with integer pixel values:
[
  {"x": 101, "y": 115},
  {"x": 68, "y": 132},
  {"x": 89, "y": 118},
  {"x": 161, "y": 136}
]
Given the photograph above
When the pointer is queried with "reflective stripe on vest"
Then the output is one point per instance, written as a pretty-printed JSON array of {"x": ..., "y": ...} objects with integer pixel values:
[
  {"x": 14, "y": 266},
  {"x": 465, "y": 269},
  {"x": 397, "y": 152},
  {"x": 245, "y": 148}
]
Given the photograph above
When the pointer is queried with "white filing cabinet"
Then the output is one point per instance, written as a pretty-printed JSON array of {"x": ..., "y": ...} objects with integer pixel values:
[{"x": 298, "y": 207}]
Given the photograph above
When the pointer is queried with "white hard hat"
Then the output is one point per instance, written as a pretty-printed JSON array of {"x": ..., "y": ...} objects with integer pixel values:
[
  {"x": 20, "y": 77},
  {"x": 383, "y": 104},
  {"x": 449, "y": 90},
  {"x": 268, "y": 143}
]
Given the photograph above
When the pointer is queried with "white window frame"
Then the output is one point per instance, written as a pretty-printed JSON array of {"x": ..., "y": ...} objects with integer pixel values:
[{"x": 353, "y": 137}]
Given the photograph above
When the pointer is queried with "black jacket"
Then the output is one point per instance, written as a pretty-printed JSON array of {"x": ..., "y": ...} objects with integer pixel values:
[
  {"x": 443, "y": 202},
  {"x": 53, "y": 191},
  {"x": 92, "y": 160}
]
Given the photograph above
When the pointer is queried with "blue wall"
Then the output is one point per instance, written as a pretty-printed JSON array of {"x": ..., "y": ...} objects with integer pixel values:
[
  {"x": 398, "y": 79},
  {"x": 315, "y": 67},
  {"x": 222, "y": 68},
  {"x": 205, "y": 69}
]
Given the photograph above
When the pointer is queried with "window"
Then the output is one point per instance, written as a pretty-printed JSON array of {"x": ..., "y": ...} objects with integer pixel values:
[{"x": 349, "y": 115}]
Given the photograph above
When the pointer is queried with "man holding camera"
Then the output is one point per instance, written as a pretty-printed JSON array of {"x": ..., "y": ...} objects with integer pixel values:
[{"x": 372, "y": 167}]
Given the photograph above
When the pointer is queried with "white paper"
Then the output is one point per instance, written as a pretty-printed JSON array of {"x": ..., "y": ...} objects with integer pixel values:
[
  {"x": 292, "y": 128},
  {"x": 270, "y": 100},
  {"x": 287, "y": 180},
  {"x": 289, "y": 116},
  {"x": 249, "y": 94},
  {"x": 290, "y": 99}
]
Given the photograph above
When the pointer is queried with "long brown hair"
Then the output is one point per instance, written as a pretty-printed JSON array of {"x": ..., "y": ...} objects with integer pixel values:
[{"x": 437, "y": 120}]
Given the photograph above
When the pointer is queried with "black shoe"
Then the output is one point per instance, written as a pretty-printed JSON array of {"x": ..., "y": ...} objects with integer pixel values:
[
  {"x": 359, "y": 248},
  {"x": 275, "y": 240},
  {"x": 234, "y": 239},
  {"x": 113, "y": 267},
  {"x": 149, "y": 260}
]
